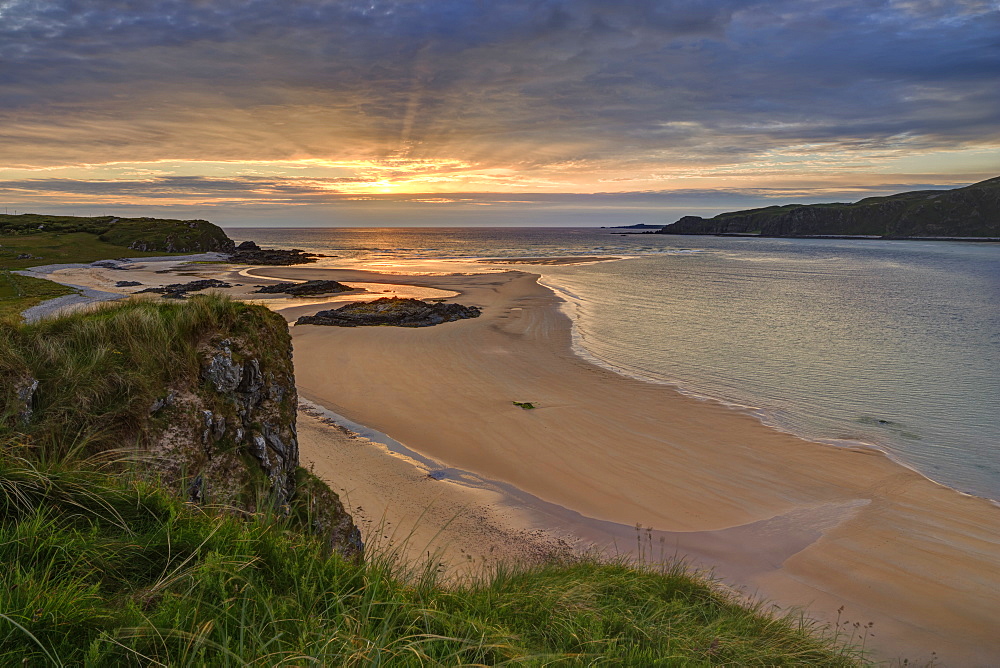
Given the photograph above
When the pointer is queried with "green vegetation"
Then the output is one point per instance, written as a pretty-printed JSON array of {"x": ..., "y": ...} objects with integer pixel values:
[
  {"x": 20, "y": 292},
  {"x": 162, "y": 235},
  {"x": 106, "y": 569},
  {"x": 30, "y": 240},
  {"x": 101, "y": 370},
  {"x": 103, "y": 565},
  {"x": 972, "y": 211},
  {"x": 58, "y": 248},
  {"x": 526, "y": 405}
]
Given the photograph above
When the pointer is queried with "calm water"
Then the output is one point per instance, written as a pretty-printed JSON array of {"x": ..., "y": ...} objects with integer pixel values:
[{"x": 896, "y": 344}]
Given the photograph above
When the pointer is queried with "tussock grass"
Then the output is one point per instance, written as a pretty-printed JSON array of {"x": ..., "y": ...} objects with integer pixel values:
[
  {"x": 105, "y": 569},
  {"x": 99, "y": 371}
]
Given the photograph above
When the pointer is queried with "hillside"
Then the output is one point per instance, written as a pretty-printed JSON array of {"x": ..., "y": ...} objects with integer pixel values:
[
  {"x": 57, "y": 238},
  {"x": 152, "y": 512},
  {"x": 969, "y": 212},
  {"x": 30, "y": 240}
]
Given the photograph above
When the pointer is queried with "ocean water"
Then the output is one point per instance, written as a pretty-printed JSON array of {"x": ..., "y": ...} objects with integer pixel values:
[{"x": 895, "y": 344}]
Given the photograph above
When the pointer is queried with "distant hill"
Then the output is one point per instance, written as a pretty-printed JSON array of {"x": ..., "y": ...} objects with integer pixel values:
[
  {"x": 969, "y": 212},
  {"x": 141, "y": 234}
]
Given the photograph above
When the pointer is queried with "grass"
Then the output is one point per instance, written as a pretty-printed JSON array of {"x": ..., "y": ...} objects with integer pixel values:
[
  {"x": 18, "y": 293},
  {"x": 72, "y": 239},
  {"x": 100, "y": 370},
  {"x": 106, "y": 569},
  {"x": 152, "y": 234},
  {"x": 60, "y": 248}
]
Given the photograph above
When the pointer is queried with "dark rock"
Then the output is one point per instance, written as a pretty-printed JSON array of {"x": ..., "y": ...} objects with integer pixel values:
[
  {"x": 126, "y": 284},
  {"x": 307, "y": 288},
  {"x": 193, "y": 286},
  {"x": 272, "y": 257},
  {"x": 195, "y": 490},
  {"x": 247, "y": 246},
  {"x": 108, "y": 264},
  {"x": 180, "y": 290},
  {"x": 25, "y": 393},
  {"x": 160, "y": 404},
  {"x": 394, "y": 311}
]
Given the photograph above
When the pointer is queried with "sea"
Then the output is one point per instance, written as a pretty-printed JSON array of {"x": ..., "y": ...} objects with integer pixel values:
[{"x": 888, "y": 344}]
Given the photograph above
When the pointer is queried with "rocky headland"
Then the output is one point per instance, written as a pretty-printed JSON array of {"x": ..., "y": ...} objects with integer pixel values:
[
  {"x": 391, "y": 311},
  {"x": 972, "y": 212}
]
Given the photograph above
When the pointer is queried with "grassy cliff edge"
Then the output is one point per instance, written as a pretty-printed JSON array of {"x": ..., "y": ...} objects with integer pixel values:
[{"x": 114, "y": 556}]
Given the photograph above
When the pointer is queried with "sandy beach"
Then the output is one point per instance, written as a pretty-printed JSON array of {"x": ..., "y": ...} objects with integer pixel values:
[
  {"x": 799, "y": 523},
  {"x": 802, "y": 524}
]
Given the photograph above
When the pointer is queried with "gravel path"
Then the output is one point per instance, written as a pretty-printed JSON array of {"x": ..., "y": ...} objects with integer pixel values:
[{"x": 54, "y": 306}]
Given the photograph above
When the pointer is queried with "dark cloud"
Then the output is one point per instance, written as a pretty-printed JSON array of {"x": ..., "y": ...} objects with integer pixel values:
[{"x": 510, "y": 83}]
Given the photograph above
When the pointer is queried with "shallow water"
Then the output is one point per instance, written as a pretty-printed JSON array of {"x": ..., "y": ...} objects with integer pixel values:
[{"x": 893, "y": 343}]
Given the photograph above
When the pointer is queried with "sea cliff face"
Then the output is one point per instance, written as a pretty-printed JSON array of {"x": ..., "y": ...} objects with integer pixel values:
[
  {"x": 973, "y": 211},
  {"x": 213, "y": 419}
]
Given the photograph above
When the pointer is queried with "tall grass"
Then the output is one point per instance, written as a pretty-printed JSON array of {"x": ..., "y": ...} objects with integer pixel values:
[
  {"x": 99, "y": 371},
  {"x": 105, "y": 569}
]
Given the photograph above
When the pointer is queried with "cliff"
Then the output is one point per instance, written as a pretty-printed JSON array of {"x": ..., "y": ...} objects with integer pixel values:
[
  {"x": 201, "y": 393},
  {"x": 972, "y": 211}
]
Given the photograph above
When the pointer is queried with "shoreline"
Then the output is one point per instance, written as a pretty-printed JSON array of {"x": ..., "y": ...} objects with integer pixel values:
[
  {"x": 755, "y": 412},
  {"x": 853, "y": 511},
  {"x": 801, "y": 523}
]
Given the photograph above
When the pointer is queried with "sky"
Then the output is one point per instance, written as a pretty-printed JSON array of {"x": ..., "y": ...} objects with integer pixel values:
[{"x": 489, "y": 112}]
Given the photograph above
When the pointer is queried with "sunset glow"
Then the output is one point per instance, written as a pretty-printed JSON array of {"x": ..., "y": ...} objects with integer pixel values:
[{"x": 230, "y": 109}]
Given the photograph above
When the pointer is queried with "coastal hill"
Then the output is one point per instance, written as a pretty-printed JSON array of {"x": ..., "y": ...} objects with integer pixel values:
[
  {"x": 165, "y": 235},
  {"x": 969, "y": 212},
  {"x": 31, "y": 239}
]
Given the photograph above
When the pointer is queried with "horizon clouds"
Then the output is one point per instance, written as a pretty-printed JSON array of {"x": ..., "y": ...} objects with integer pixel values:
[{"x": 212, "y": 104}]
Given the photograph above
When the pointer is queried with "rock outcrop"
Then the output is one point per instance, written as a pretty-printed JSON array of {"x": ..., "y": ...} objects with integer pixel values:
[
  {"x": 970, "y": 212},
  {"x": 391, "y": 311},
  {"x": 207, "y": 402},
  {"x": 232, "y": 436},
  {"x": 24, "y": 393},
  {"x": 271, "y": 256},
  {"x": 180, "y": 290},
  {"x": 305, "y": 289}
]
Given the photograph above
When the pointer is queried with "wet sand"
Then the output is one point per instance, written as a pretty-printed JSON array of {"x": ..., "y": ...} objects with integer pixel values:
[{"x": 799, "y": 523}]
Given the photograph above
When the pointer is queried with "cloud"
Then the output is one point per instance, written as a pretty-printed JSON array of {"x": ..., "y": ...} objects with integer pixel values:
[{"x": 550, "y": 89}]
